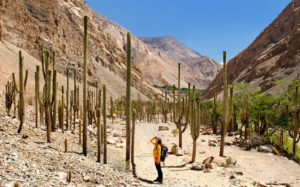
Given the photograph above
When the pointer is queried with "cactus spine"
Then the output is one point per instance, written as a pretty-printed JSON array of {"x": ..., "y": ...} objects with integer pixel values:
[
  {"x": 128, "y": 100},
  {"x": 227, "y": 106},
  {"x": 84, "y": 145},
  {"x": 21, "y": 92},
  {"x": 104, "y": 125}
]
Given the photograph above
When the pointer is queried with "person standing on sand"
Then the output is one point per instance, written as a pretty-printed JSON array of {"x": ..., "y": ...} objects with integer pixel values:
[{"x": 157, "y": 155}]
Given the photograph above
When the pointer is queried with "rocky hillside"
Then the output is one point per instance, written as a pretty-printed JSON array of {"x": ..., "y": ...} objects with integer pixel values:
[
  {"x": 156, "y": 65},
  {"x": 274, "y": 55},
  {"x": 58, "y": 25},
  {"x": 182, "y": 54}
]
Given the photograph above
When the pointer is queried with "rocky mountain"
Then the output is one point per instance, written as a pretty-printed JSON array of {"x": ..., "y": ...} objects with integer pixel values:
[
  {"x": 274, "y": 55},
  {"x": 183, "y": 54},
  {"x": 156, "y": 65},
  {"x": 58, "y": 25}
]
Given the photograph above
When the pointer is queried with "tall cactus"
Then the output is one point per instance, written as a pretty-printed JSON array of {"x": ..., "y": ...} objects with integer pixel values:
[
  {"x": 84, "y": 145},
  {"x": 47, "y": 106},
  {"x": 128, "y": 100},
  {"x": 98, "y": 135},
  {"x": 61, "y": 110},
  {"x": 132, "y": 142},
  {"x": 9, "y": 96},
  {"x": 227, "y": 106},
  {"x": 295, "y": 132},
  {"x": 195, "y": 125},
  {"x": 165, "y": 108},
  {"x": 112, "y": 110},
  {"x": 67, "y": 99},
  {"x": 21, "y": 92},
  {"x": 214, "y": 113},
  {"x": 54, "y": 96},
  {"x": 245, "y": 118},
  {"x": 104, "y": 125},
  {"x": 37, "y": 95}
]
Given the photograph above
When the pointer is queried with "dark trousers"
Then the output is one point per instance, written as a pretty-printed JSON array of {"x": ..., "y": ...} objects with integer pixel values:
[{"x": 159, "y": 172}]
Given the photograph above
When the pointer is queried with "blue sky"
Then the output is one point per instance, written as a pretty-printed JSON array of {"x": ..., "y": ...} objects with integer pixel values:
[{"x": 206, "y": 26}]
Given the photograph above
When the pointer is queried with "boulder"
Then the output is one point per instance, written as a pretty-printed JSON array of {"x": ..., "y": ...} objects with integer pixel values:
[
  {"x": 179, "y": 151},
  {"x": 208, "y": 166},
  {"x": 173, "y": 149},
  {"x": 264, "y": 149},
  {"x": 208, "y": 160},
  {"x": 198, "y": 167},
  {"x": 163, "y": 128},
  {"x": 220, "y": 161}
]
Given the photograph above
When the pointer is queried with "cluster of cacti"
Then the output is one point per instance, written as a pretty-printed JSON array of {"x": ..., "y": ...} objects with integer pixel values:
[
  {"x": 227, "y": 106},
  {"x": 196, "y": 122}
]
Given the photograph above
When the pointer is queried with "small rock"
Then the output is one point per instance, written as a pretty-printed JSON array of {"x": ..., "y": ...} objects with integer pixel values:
[
  {"x": 212, "y": 144},
  {"x": 202, "y": 152},
  {"x": 198, "y": 167},
  {"x": 212, "y": 141},
  {"x": 232, "y": 177},
  {"x": 10, "y": 168},
  {"x": 231, "y": 134},
  {"x": 208, "y": 166},
  {"x": 207, "y": 171},
  {"x": 220, "y": 161},
  {"x": 239, "y": 173},
  {"x": 228, "y": 143},
  {"x": 203, "y": 140},
  {"x": 264, "y": 149},
  {"x": 24, "y": 136},
  {"x": 179, "y": 151},
  {"x": 87, "y": 178},
  {"x": 173, "y": 149},
  {"x": 163, "y": 128}
]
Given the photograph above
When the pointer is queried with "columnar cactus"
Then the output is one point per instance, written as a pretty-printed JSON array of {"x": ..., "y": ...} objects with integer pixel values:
[
  {"x": 9, "y": 96},
  {"x": 195, "y": 124},
  {"x": 227, "y": 106},
  {"x": 245, "y": 118},
  {"x": 84, "y": 145},
  {"x": 128, "y": 100},
  {"x": 98, "y": 135},
  {"x": 214, "y": 113},
  {"x": 67, "y": 99},
  {"x": 61, "y": 110},
  {"x": 104, "y": 125},
  {"x": 66, "y": 145},
  {"x": 165, "y": 108},
  {"x": 54, "y": 96},
  {"x": 295, "y": 133},
  {"x": 37, "y": 95},
  {"x": 47, "y": 106},
  {"x": 132, "y": 142},
  {"x": 21, "y": 92},
  {"x": 112, "y": 109}
]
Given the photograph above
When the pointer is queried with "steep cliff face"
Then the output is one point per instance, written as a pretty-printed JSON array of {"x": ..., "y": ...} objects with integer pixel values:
[
  {"x": 155, "y": 64},
  {"x": 274, "y": 55},
  {"x": 58, "y": 25}
]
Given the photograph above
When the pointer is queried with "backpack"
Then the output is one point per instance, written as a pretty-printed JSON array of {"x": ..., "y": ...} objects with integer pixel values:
[{"x": 164, "y": 151}]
